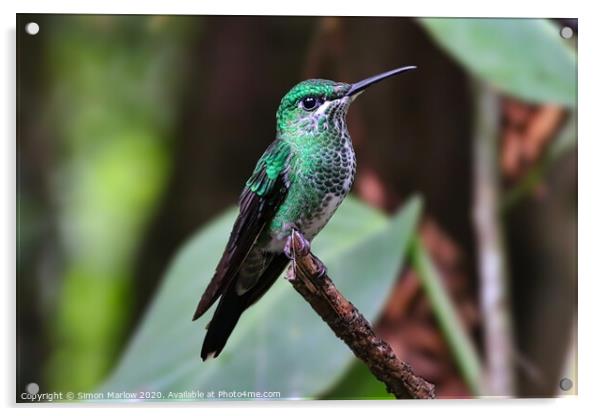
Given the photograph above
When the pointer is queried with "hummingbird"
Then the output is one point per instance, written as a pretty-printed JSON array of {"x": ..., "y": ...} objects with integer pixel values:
[{"x": 297, "y": 185}]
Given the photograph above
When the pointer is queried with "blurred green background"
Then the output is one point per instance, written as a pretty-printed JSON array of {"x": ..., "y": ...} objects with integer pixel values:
[{"x": 137, "y": 133}]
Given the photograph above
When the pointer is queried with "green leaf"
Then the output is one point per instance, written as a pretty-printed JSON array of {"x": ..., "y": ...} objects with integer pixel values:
[
  {"x": 358, "y": 383},
  {"x": 280, "y": 344},
  {"x": 526, "y": 58},
  {"x": 460, "y": 343}
]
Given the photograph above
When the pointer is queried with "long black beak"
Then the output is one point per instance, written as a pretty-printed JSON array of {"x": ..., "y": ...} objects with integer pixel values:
[{"x": 362, "y": 85}]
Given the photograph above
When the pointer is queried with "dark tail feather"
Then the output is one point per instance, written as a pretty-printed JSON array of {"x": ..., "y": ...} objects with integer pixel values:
[
  {"x": 222, "y": 323},
  {"x": 231, "y": 306}
]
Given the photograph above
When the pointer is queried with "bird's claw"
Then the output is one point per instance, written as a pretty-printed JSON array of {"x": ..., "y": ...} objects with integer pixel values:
[
  {"x": 301, "y": 248},
  {"x": 321, "y": 268}
]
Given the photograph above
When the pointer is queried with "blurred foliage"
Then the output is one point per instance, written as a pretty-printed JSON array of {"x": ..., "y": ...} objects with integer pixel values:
[
  {"x": 113, "y": 98},
  {"x": 525, "y": 58},
  {"x": 461, "y": 345},
  {"x": 566, "y": 140},
  {"x": 358, "y": 383},
  {"x": 280, "y": 343}
]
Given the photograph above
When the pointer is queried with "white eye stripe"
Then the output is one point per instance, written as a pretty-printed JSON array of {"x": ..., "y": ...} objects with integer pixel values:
[{"x": 323, "y": 107}]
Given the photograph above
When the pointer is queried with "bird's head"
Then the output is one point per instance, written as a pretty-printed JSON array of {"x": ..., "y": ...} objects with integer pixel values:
[{"x": 318, "y": 105}]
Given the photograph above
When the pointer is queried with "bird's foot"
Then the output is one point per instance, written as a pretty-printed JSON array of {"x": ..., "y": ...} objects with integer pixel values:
[
  {"x": 290, "y": 274},
  {"x": 296, "y": 245}
]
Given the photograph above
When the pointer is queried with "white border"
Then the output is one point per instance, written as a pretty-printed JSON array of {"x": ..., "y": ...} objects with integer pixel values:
[{"x": 590, "y": 207}]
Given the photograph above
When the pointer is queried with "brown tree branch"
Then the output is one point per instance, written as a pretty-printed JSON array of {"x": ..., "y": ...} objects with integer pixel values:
[{"x": 349, "y": 325}]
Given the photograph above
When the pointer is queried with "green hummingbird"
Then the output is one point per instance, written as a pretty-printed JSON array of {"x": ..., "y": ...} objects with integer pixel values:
[{"x": 297, "y": 184}]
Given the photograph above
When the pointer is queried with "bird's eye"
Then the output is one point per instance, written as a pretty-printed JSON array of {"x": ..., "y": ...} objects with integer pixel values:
[{"x": 311, "y": 103}]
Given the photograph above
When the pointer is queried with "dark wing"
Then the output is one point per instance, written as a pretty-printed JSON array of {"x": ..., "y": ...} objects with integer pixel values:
[{"x": 263, "y": 194}]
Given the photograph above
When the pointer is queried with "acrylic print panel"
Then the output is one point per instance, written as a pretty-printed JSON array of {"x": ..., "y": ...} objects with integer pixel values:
[{"x": 457, "y": 242}]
